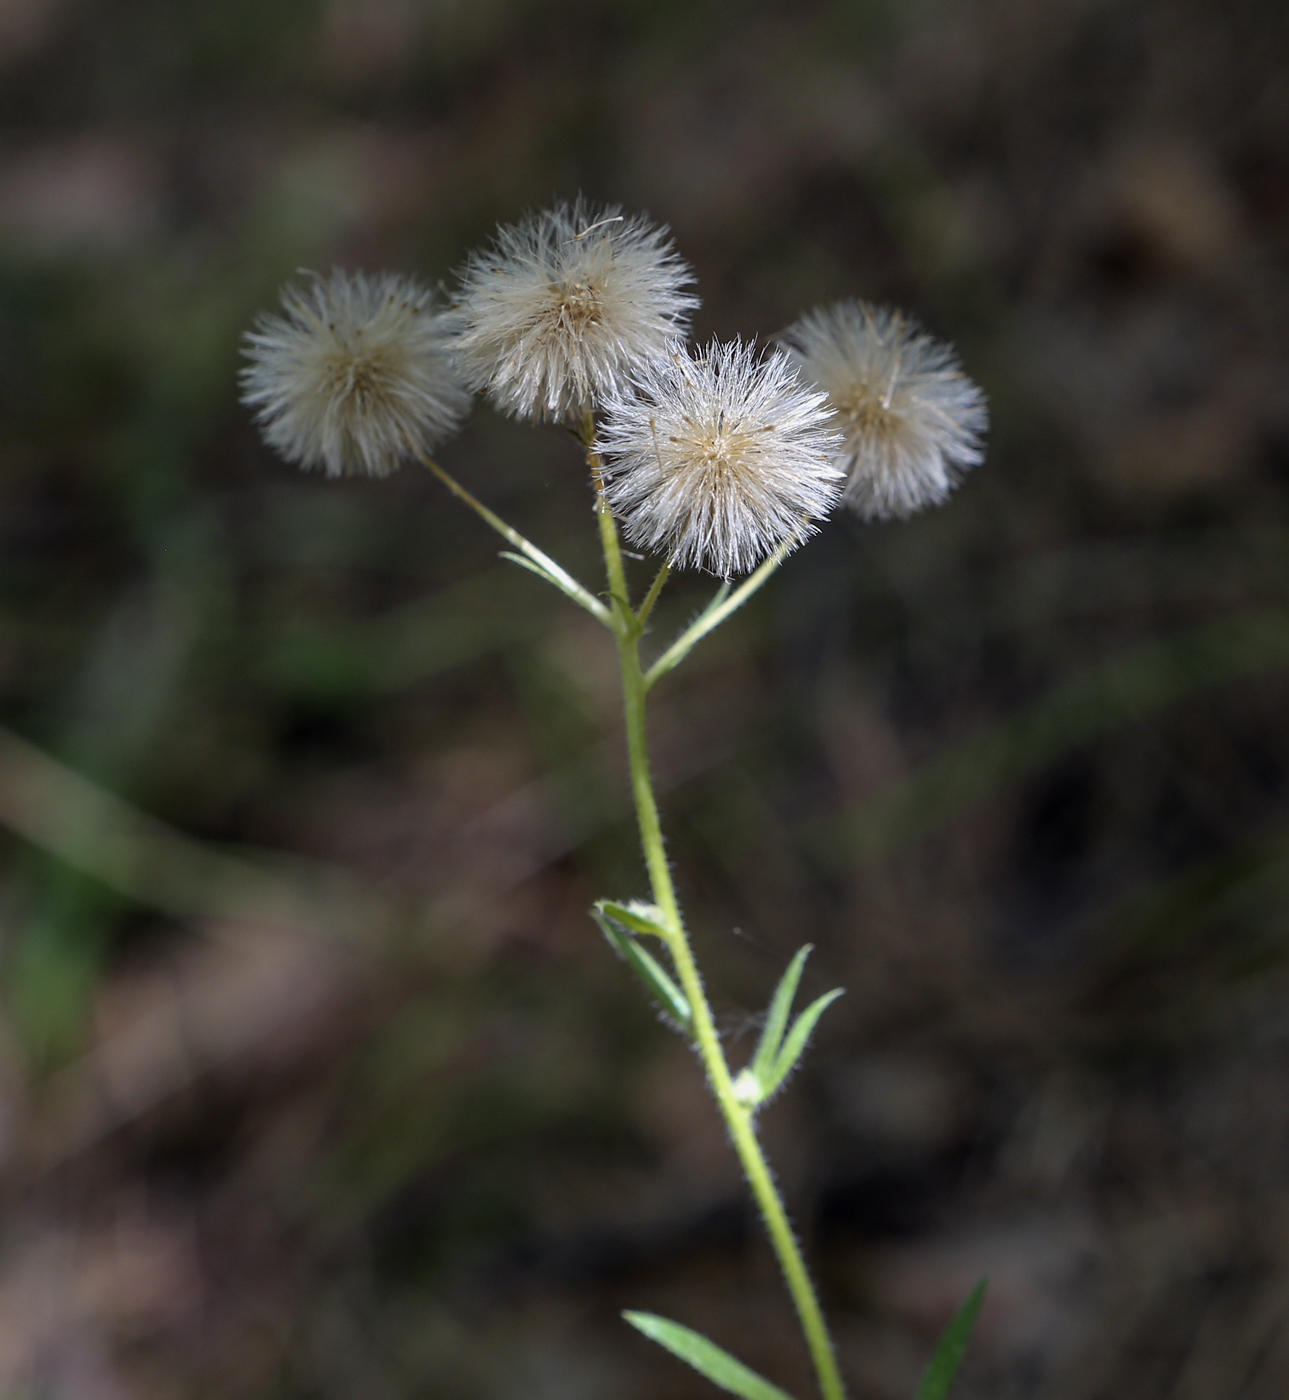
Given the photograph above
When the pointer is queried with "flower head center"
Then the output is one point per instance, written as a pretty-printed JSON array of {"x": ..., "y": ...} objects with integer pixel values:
[
  {"x": 867, "y": 408},
  {"x": 579, "y": 305},
  {"x": 361, "y": 379},
  {"x": 722, "y": 449}
]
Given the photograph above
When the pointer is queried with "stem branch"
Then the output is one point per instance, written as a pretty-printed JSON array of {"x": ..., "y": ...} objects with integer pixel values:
[
  {"x": 555, "y": 573},
  {"x": 655, "y": 588},
  {"x": 712, "y": 617},
  {"x": 613, "y": 565}
]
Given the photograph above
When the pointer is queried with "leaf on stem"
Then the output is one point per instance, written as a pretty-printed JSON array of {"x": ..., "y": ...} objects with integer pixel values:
[
  {"x": 776, "y": 1021},
  {"x": 637, "y": 916},
  {"x": 775, "y": 1057},
  {"x": 655, "y": 591},
  {"x": 705, "y": 1357},
  {"x": 658, "y": 982},
  {"x": 944, "y": 1365},
  {"x": 721, "y": 606},
  {"x": 716, "y": 600},
  {"x": 796, "y": 1042},
  {"x": 566, "y": 584}
]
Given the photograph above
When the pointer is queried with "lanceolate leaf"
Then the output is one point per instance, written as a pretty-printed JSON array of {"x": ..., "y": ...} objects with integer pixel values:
[
  {"x": 721, "y": 606},
  {"x": 776, "y": 1021},
  {"x": 718, "y": 598},
  {"x": 705, "y": 1357},
  {"x": 948, "y": 1354},
  {"x": 658, "y": 982},
  {"x": 640, "y": 918},
  {"x": 566, "y": 584},
  {"x": 797, "y": 1038}
]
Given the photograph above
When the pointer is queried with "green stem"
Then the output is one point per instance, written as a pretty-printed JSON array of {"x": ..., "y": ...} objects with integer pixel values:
[
  {"x": 655, "y": 588},
  {"x": 613, "y": 565},
  {"x": 711, "y": 618},
  {"x": 738, "y": 1117}
]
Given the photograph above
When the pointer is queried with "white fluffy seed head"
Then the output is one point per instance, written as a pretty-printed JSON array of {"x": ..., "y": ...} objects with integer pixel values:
[
  {"x": 557, "y": 313},
  {"x": 911, "y": 420},
  {"x": 716, "y": 459},
  {"x": 354, "y": 374}
]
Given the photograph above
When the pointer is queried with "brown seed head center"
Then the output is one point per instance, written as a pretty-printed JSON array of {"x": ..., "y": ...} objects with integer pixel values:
[
  {"x": 867, "y": 408},
  {"x": 359, "y": 379},
  {"x": 722, "y": 450},
  {"x": 579, "y": 305}
]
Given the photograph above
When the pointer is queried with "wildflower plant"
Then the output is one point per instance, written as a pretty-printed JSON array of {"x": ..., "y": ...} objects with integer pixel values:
[{"x": 721, "y": 458}]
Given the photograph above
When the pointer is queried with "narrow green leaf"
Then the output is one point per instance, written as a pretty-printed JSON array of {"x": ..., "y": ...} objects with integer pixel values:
[
  {"x": 705, "y": 1357},
  {"x": 637, "y": 916},
  {"x": 659, "y": 984},
  {"x": 776, "y": 1020},
  {"x": 673, "y": 1000},
  {"x": 543, "y": 573},
  {"x": 948, "y": 1354},
  {"x": 566, "y": 584},
  {"x": 711, "y": 617},
  {"x": 717, "y": 598},
  {"x": 650, "y": 598},
  {"x": 797, "y": 1038}
]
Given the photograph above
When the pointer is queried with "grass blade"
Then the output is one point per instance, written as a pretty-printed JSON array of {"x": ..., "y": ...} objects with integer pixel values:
[{"x": 944, "y": 1365}]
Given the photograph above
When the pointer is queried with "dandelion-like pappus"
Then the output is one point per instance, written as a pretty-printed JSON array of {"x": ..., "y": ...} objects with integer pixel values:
[
  {"x": 722, "y": 459},
  {"x": 911, "y": 419},
  {"x": 354, "y": 374},
  {"x": 565, "y": 305},
  {"x": 718, "y": 458}
]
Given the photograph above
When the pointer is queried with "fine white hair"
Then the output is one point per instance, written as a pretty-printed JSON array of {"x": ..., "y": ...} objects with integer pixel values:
[
  {"x": 557, "y": 313},
  {"x": 718, "y": 458},
  {"x": 354, "y": 374},
  {"x": 912, "y": 421}
]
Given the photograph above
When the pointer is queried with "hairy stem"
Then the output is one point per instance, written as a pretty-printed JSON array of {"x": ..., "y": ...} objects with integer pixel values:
[
  {"x": 613, "y": 565},
  {"x": 738, "y": 1118},
  {"x": 655, "y": 588}
]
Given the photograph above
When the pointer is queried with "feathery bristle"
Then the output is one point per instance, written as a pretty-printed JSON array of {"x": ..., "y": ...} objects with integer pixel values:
[
  {"x": 718, "y": 458},
  {"x": 353, "y": 375},
  {"x": 911, "y": 419},
  {"x": 560, "y": 310}
]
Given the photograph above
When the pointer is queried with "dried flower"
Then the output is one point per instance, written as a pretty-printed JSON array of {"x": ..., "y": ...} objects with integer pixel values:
[
  {"x": 556, "y": 314},
  {"x": 718, "y": 458},
  {"x": 354, "y": 374},
  {"x": 911, "y": 419}
]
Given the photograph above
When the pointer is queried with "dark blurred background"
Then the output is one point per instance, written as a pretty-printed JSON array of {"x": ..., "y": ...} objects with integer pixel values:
[{"x": 315, "y": 1079}]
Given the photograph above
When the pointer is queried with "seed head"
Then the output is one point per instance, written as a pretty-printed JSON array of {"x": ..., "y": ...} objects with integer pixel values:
[
  {"x": 718, "y": 458},
  {"x": 353, "y": 375},
  {"x": 556, "y": 314},
  {"x": 911, "y": 420}
]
